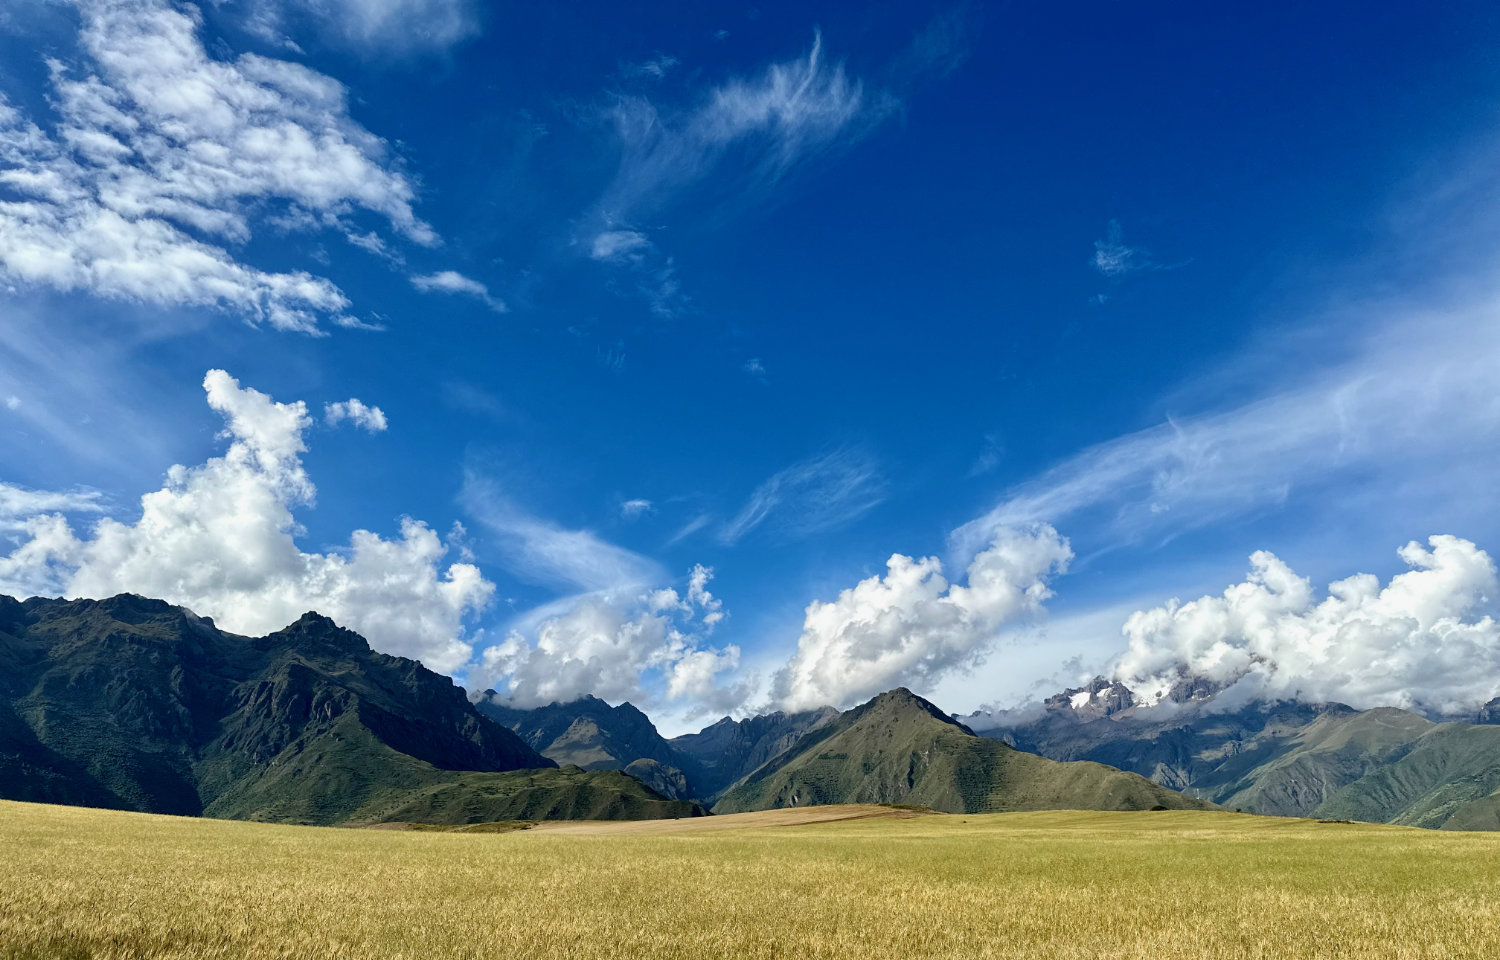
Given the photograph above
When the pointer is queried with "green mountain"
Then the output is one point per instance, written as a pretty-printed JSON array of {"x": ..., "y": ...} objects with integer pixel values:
[
  {"x": 139, "y": 705},
  {"x": 1282, "y": 758},
  {"x": 898, "y": 748}
]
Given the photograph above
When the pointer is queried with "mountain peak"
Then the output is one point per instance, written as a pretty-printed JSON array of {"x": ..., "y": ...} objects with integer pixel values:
[
  {"x": 902, "y": 701},
  {"x": 312, "y": 628}
]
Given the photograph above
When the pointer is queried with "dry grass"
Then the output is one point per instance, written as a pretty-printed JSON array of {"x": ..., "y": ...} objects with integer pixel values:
[
  {"x": 792, "y": 817},
  {"x": 80, "y": 883}
]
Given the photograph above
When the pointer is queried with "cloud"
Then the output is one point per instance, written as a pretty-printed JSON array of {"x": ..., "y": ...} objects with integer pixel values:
[
  {"x": 17, "y": 504},
  {"x": 631, "y": 509},
  {"x": 989, "y": 457},
  {"x": 656, "y": 68},
  {"x": 220, "y": 539},
  {"x": 449, "y": 281},
  {"x": 372, "y": 26},
  {"x": 754, "y": 368},
  {"x": 356, "y": 412},
  {"x": 691, "y": 527},
  {"x": 630, "y": 645},
  {"x": 1425, "y": 640},
  {"x": 811, "y": 497},
  {"x": 1410, "y": 405},
  {"x": 912, "y": 627},
  {"x": 541, "y": 551},
  {"x": 12, "y": 403},
  {"x": 787, "y": 113},
  {"x": 161, "y": 156},
  {"x": 654, "y": 273},
  {"x": 1113, "y": 258},
  {"x": 618, "y": 246}
]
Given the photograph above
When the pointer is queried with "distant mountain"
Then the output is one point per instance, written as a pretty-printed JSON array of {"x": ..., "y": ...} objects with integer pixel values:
[
  {"x": 899, "y": 748},
  {"x": 139, "y": 705},
  {"x": 1281, "y": 758},
  {"x": 723, "y": 753},
  {"x": 587, "y": 732},
  {"x": 596, "y": 736}
]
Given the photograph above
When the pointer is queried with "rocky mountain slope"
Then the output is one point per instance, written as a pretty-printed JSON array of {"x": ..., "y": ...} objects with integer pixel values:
[
  {"x": 1283, "y": 758},
  {"x": 139, "y": 705},
  {"x": 899, "y": 748}
]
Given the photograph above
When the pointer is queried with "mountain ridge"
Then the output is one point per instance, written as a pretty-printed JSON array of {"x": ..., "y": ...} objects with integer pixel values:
[
  {"x": 900, "y": 748},
  {"x": 136, "y": 704},
  {"x": 1288, "y": 758}
]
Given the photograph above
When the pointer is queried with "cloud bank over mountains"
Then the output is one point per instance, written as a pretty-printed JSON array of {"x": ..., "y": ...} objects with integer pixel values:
[
  {"x": 624, "y": 644},
  {"x": 912, "y": 627},
  {"x": 220, "y": 539},
  {"x": 1427, "y": 640}
]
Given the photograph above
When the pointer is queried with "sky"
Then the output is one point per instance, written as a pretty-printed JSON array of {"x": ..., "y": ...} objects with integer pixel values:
[{"x": 726, "y": 358}]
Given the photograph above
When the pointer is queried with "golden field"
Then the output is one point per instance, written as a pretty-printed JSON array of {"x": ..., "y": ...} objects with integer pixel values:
[{"x": 864, "y": 883}]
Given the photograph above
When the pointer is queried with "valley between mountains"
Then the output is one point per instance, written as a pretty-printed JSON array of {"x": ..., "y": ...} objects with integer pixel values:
[{"x": 134, "y": 704}]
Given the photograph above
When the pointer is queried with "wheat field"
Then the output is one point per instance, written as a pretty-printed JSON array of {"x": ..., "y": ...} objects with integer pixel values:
[{"x": 864, "y": 883}]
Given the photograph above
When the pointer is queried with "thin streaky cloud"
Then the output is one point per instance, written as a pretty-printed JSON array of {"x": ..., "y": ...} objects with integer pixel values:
[
  {"x": 1381, "y": 413},
  {"x": 810, "y": 497},
  {"x": 536, "y": 549},
  {"x": 453, "y": 282}
]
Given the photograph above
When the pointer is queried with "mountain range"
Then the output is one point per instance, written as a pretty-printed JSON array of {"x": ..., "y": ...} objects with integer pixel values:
[
  {"x": 136, "y": 704},
  {"x": 1285, "y": 758}
]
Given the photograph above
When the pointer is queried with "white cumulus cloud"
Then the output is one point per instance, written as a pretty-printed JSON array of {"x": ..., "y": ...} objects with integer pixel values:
[
  {"x": 220, "y": 539},
  {"x": 912, "y": 627},
  {"x": 620, "y": 645},
  {"x": 356, "y": 412},
  {"x": 1426, "y": 640},
  {"x": 161, "y": 157}
]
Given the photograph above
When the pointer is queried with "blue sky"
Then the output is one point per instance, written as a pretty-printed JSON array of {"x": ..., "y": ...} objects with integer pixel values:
[{"x": 1098, "y": 299}]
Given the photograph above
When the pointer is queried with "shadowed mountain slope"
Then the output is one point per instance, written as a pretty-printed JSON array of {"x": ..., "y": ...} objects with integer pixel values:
[
  {"x": 723, "y": 753},
  {"x": 899, "y": 748},
  {"x": 586, "y": 732}
]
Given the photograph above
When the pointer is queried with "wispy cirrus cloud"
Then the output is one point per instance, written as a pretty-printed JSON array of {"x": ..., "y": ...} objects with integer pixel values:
[
  {"x": 162, "y": 157},
  {"x": 633, "y": 509},
  {"x": 811, "y": 497},
  {"x": 539, "y": 550},
  {"x": 1116, "y": 259},
  {"x": 373, "y": 27},
  {"x": 451, "y": 281},
  {"x": 787, "y": 113},
  {"x": 19, "y": 503},
  {"x": 1411, "y": 403},
  {"x": 748, "y": 131}
]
